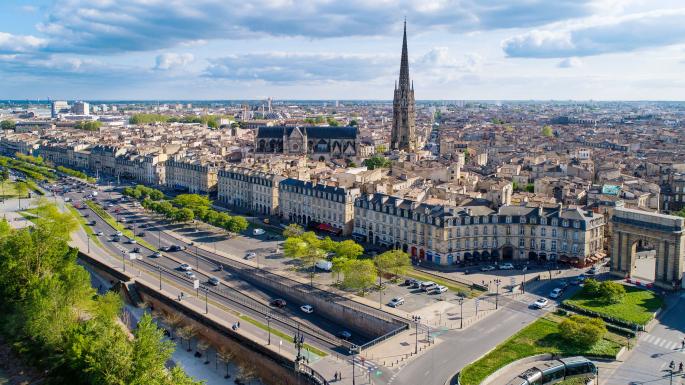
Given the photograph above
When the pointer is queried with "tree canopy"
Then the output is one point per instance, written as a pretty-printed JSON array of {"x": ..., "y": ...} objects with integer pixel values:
[
  {"x": 377, "y": 161},
  {"x": 8, "y": 125}
]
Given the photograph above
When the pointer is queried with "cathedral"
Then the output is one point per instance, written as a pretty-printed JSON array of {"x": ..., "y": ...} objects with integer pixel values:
[
  {"x": 403, "y": 107},
  {"x": 320, "y": 143}
]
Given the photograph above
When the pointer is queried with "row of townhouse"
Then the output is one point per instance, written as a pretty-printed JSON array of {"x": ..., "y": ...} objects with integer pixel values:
[
  {"x": 445, "y": 235},
  {"x": 194, "y": 176},
  {"x": 248, "y": 189}
]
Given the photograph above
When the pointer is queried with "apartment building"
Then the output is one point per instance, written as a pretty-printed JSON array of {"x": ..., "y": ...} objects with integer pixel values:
[
  {"x": 194, "y": 176},
  {"x": 148, "y": 169},
  {"x": 328, "y": 208},
  {"x": 248, "y": 189},
  {"x": 24, "y": 143},
  {"x": 446, "y": 235}
]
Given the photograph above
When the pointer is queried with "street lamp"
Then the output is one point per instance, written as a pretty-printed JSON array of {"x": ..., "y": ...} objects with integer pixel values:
[
  {"x": 268, "y": 326},
  {"x": 461, "y": 312},
  {"x": 159, "y": 267},
  {"x": 353, "y": 350},
  {"x": 206, "y": 289},
  {"x": 298, "y": 340},
  {"x": 417, "y": 320},
  {"x": 123, "y": 259},
  {"x": 88, "y": 239},
  {"x": 497, "y": 283}
]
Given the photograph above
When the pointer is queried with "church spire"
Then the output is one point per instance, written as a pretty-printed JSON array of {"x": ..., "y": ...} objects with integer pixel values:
[{"x": 404, "y": 64}]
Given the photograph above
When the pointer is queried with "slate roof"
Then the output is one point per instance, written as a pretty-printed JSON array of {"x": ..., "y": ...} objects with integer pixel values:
[{"x": 348, "y": 132}]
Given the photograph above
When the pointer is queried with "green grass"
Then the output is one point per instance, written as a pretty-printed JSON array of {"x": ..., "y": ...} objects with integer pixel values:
[
  {"x": 82, "y": 221},
  {"x": 8, "y": 190},
  {"x": 542, "y": 336},
  {"x": 281, "y": 334},
  {"x": 574, "y": 381},
  {"x": 454, "y": 286},
  {"x": 638, "y": 306},
  {"x": 118, "y": 226}
]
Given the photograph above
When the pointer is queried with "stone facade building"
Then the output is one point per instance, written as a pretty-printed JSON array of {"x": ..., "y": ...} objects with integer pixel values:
[
  {"x": 446, "y": 235},
  {"x": 327, "y": 208},
  {"x": 196, "y": 177},
  {"x": 248, "y": 189}
]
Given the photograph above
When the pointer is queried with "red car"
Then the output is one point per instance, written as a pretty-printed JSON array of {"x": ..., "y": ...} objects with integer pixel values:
[{"x": 279, "y": 303}]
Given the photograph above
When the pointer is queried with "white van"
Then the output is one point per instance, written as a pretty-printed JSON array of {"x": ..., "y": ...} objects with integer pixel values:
[
  {"x": 324, "y": 265},
  {"x": 427, "y": 286}
]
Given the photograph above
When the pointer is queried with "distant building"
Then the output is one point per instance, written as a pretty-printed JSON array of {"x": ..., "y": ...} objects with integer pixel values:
[
  {"x": 81, "y": 108},
  {"x": 250, "y": 190},
  {"x": 59, "y": 107}
]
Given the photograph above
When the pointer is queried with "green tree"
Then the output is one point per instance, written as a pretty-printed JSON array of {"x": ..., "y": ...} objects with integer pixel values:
[
  {"x": 353, "y": 123},
  {"x": 348, "y": 249},
  {"x": 591, "y": 287},
  {"x": 377, "y": 161},
  {"x": 546, "y": 131},
  {"x": 612, "y": 292},
  {"x": 582, "y": 331},
  {"x": 293, "y": 230},
  {"x": 339, "y": 264},
  {"x": 530, "y": 187},
  {"x": 184, "y": 215},
  {"x": 8, "y": 125},
  {"x": 359, "y": 275},
  {"x": 238, "y": 224},
  {"x": 192, "y": 201}
]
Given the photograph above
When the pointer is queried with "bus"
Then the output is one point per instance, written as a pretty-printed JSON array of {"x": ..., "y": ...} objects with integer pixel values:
[{"x": 556, "y": 371}]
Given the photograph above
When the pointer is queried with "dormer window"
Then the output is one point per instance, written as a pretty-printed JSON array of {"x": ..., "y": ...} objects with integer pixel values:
[{"x": 522, "y": 220}]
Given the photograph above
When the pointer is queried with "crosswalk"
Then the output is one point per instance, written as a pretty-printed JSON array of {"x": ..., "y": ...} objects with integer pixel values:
[
  {"x": 661, "y": 342},
  {"x": 363, "y": 363}
]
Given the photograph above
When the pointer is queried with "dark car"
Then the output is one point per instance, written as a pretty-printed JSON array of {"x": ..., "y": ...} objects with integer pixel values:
[
  {"x": 141, "y": 234},
  {"x": 344, "y": 335},
  {"x": 409, "y": 282},
  {"x": 279, "y": 303},
  {"x": 144, "y": 226},
  {"x": 165, "y": 248},
  {"x": 136, "y": 249}
]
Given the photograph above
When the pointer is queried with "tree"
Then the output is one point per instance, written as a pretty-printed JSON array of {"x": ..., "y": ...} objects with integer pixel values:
[
  {"x": 184, "y": 215},
  {"x": 348, "y": 249},
  {"x": 582, "y": 331},
  {"x": 187, "y": 333},
  {"x": 191, "y": 201},
  {"x": 353, "y": 123},
  {"x": 203, "y": 348},
  {"x": 359, "y": 274},
  {"x": 612, "y": 292},
  {"x": 591, "y": 287},
  {"x": 377, "y": 161},
  {"x": 293, "y": 230},
  {"x": 546, "y": 131},
  {"x": 150, "y": 353},
  {"x": 173, "y": 320},
  {"x": 339, "y": 264},
  {"x": 225, "y": 355},
  {"x": 8, "y": 125},
  {"x": 238, "y": 224},
  {"x": 4, "y": 177}
]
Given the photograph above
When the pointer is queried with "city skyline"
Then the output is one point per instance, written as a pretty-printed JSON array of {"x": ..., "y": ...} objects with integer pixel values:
[{"x": 502, "y": 50}]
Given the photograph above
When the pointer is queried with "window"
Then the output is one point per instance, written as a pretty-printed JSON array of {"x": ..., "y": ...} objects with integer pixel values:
[
  {"x": 554, "y": 245},
  {"x": 543, "y": 221},
  {"x": 494, "y": 243},
  {"x": 554, "y": 232},
  {"x": 522, "y": 230},
  {"x": 485, "y": 230},
  {"x": 575, "y": 248},
  {"x": 543, "y": 244},
  {"x": 508, "y": 219},
  {"x": 475, "y": 231},
  {"x": 485, "y": 243},
  {"x": 564, "y": 247},
  {"x": 543, "y": 232},
  {"x": 522, "y": 242},
  {"x": 522, "y": 220},
  {"x": 576, "y": 224},
  {"x": 532, "y": 231},
  {"x": 564, "y": 223},
  {"x": 555, "y": 222},
  {"x": 532, "y": 243},
  {"x": 575, "y": 235}
]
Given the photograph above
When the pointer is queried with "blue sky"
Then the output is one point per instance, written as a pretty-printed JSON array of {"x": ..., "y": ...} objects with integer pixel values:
[{"x": 330, "y": 49}]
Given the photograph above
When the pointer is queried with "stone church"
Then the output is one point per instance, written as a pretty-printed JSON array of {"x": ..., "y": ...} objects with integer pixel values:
[{"x": 320, "y": 143}]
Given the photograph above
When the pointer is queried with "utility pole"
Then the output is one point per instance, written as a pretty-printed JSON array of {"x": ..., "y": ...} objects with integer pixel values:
[
  {"x": 268, "y": 326},
  {"x": 497, "y": 282},
  {"x": 417, "y": 320},
  {"x": 159, "y": 267},
  {"x": 461, "y": 312}
]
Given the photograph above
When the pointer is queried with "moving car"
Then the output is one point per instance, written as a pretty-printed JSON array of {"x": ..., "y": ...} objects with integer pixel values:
[
  {"x": 258, "y": 232},
  {"x": 156, "y": 254},
  {"x": 344, "y": 335},
  {"x": 506, "y": 266},
  {"x": 190, "y": 274},
  {"x": 214, "y": 281},
  {"x": 540, "y": 303},
  {"x": 279, "y": 303},
  {"x": 99, "y": 233},
  {"x": 185, "y": 267},
  {"x": 176, "y": 248},
  {"x": 165, "y": 248},
  {"x": 487, "y": 268},
  {"x": 592, "y": 271},
  {"x": 132, "y": 241},
  {"x": 307, "y": 309},
  {"x": 556, "y": 293},
  {"x": 395, "y": 302},
  {"x": 119, "y": 233}
]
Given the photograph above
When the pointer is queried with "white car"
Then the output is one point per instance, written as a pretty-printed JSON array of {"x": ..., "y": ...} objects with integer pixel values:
[
  {"x": 395, "y": 302},
  {"x": 132, "y": 241},
  {"x": 258, "y": 232},
  {"x": 506, "y": 266},
  {"x": 190, "y": 274},
  {"x": 119, "y": 233},
  {"x": 99, "y": 233},
  {"x": 487, "y": 268},
  {"x": 439, "y": 289},
  {"x": 307, "y": 309},
  {"x": 540, "y": 303},
  {"x": 185, "y": 267},
  {"x": 556, "y": 293},
  {"x": 250, "y": 255}
]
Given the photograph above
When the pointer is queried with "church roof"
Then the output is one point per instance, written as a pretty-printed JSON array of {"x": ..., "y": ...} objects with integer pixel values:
[{"x": 316, "y": 132}]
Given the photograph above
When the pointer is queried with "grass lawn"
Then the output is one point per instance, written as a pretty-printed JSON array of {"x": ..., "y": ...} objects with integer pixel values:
[
  {"x": 112, "y": 222},
  {"x": 542, "y": 336},
  {"x": 574, "y": 381},
  {"x": 638, "y": 306},
  {"x": 452, "y": 285}
]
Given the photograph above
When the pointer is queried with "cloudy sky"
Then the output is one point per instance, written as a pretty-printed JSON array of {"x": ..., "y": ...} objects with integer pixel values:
[{"x": 342, "y": 49}]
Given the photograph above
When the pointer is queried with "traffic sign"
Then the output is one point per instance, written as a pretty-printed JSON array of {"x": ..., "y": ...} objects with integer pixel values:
[{"x": 196, "y": 284}]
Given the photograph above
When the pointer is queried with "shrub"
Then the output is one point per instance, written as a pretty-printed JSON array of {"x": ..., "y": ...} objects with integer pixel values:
[
  {"x": 582, "y": 331},
  {"x": 591, "y": 287},
  {"x": 612, "y": 292}
]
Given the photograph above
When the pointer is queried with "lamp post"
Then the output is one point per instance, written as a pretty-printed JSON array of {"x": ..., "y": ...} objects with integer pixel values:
[
  {"x": 206, "y": 289},
  {"x": 268, "y": 326},
  {"x": 461, "y": 312},
  {"x": 353, "y": 350},
  {"x": 159, "y": 267},
  {"x": 497, "y": 283},
  {"x": 298, "y": 340},
  {"x": 123, "y": 259},
  {"x": 159, "y": 238},
  {"x": 417, "y": 320},
  {"x": 523, "y": 284},
  {"x": 88, "y": 239}
]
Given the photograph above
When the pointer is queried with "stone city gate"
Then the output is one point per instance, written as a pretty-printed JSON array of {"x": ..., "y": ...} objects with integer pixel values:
[{"x": 633, "y": 230}]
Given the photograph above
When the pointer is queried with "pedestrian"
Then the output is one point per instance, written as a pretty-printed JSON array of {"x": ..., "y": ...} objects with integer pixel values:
[
  {"x": 672, "y": 365},
  {"x": 238, "y": 324},
  {"x": 682, "y": 344},
  {"x": 680, "y": 367},
  {"x": 335, "y": 376}
]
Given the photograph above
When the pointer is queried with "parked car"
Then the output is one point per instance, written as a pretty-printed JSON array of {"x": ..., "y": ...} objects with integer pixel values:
[
  {"x": 592, "y": 271},
  {"x": 250, "y": 255},
  {"x": 185, "y": 267},
  {"x": 344, "y": 335},
  {"x": 132, "y": 241},
  {"x": 416, "y": 284},
  {"x": 439, "y": 289},
  {"x": 409, "y": 282},
  {"x": 279, "y": 303},
  {"x": 556, "y": 293},
  {"x": 324, "y": 265},
  {"x": 395, "y": 302},
  {"x": 428, "y": 286},
  {"x": 214, "y": 281},
  {"x": 136, "y": 249},
  {"x": 258, "y": 232},
  {"x": 307, "y": 309},
  {"x": 119, "y": 233},
  {"x": 141, "y": 234},
  {"x": 540, "y": 303},
  {"x": 576, "y": 282},
  {"x": 487, "y": 268},
  {"x": 156, "y": 254},
  {"x": 506, "y": 266}
]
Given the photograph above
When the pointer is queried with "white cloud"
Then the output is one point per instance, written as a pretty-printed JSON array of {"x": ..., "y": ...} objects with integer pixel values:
[
  {"x": 570, "y": 62},
  {"x": 439, "y": 64},
  {"x": 600, "y": 35},
  {"x": 168, "y": 61},
  {"x": 19, "y": 43}
]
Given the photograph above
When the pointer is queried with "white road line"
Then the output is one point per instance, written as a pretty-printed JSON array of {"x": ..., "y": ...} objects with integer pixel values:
[
  {"x": 662, "y": 343},
  {"x": 671, "y": 345}
]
